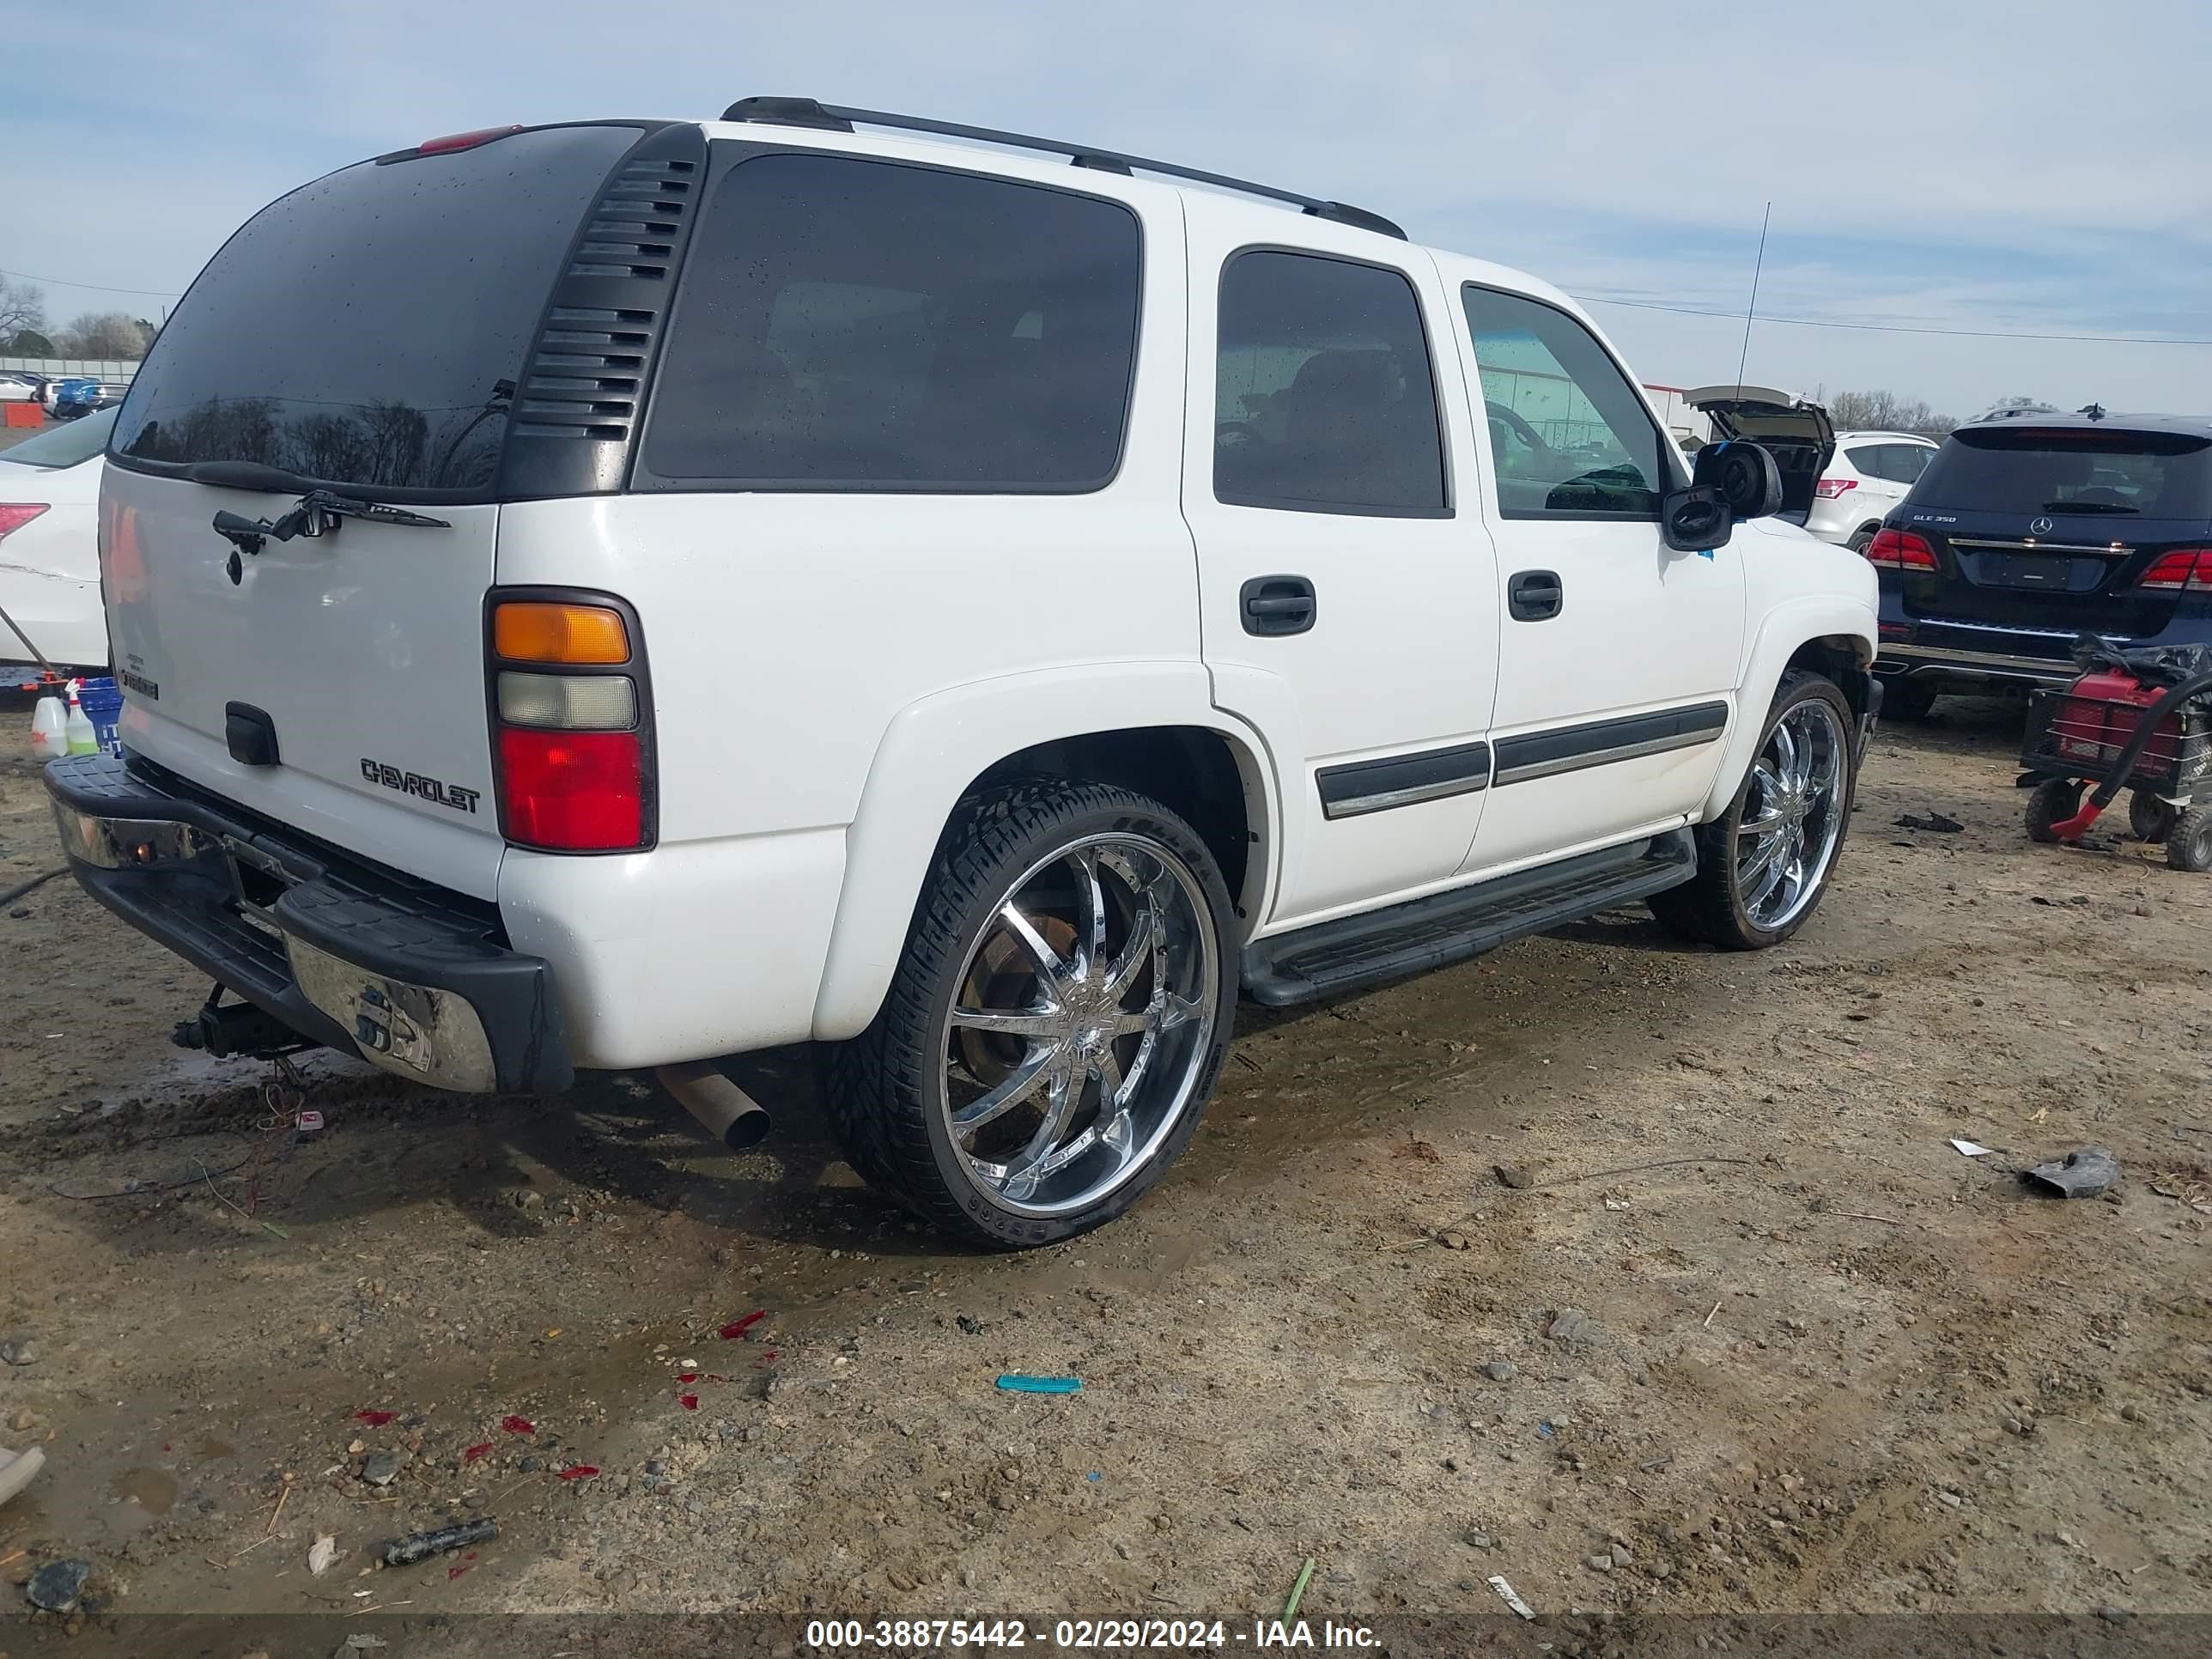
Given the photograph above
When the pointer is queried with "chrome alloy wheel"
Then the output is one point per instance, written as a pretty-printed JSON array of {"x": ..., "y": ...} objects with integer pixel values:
[
  {"x": 1793, "y": 815},
  {"x": 1084, "y": 1015}
]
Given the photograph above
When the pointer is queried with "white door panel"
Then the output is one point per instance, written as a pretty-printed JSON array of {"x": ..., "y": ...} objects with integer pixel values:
[
  {"x": 1639, "y": 625},
  {"x": 1394, "y": 679},
  {"x": 1525, "y": 822},
  {"x": 1617, "y": 655}
]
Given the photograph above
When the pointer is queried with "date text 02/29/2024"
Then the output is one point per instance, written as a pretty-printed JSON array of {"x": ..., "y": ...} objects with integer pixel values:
[{"x": 1080, "y": 1634}]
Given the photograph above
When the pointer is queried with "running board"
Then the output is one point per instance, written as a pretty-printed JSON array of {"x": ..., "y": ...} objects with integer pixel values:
[{"x": 1354, "y": 952}]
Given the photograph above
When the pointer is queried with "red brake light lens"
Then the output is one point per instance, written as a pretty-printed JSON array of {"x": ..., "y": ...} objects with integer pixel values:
[
  {"x": 453, "y": 141},
  {"x": 1900, "y": 549},
  {"x": 13, "y": 515},
  {"x": 2188, "y": 569},
  {"x": 1829, "y": 489},
  {"x": 572, "y": 792}
]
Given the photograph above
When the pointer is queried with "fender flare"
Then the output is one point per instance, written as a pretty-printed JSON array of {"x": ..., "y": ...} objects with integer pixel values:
[
  {"x": 1788, "y": 628},
  {"x": 933, "y": 749}
]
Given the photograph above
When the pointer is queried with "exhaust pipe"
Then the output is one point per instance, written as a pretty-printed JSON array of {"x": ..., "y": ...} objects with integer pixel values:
[{"x": 724, "y": 1110}]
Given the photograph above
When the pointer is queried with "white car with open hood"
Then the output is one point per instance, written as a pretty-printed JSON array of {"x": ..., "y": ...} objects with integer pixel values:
[{"x": 621, "y": 594}]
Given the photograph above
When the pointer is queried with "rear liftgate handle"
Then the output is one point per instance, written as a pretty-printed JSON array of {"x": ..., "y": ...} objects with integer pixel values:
[
  {"x": 1276, "y": 606},
  {"x": 1535, "y": 595}
]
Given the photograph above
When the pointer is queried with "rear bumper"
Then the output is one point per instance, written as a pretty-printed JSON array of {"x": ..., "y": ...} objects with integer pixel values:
[
  {"x": 1949, "y": 663},
  {"x": 1946, "y": 650},
  {"x": 409, "y": 977}
]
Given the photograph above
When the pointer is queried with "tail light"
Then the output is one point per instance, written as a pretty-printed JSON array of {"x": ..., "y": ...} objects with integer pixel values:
[
  {"x": 1829, "y": 489},
  {"x": 13, "y": 515},
  {"x": 1900, "y": 549},
  {"x": 571, "y": 709},
  {"x": 2189, "y": 570}
]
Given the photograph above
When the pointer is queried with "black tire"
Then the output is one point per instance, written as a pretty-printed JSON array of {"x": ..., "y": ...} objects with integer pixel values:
[
  {"x": 885, "y": 1089},
  {"x": 2189, "y": 847},
  {"x": 1862, "y": 537},
  {"x": 1707, "y": 909},
  {"x": 1907, "y": 700},
  {"x": 2150, "y": 818},
  {"x": 2052, "y": 801}
]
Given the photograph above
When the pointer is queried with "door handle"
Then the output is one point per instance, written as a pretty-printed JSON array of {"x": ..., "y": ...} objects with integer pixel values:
[
  {"x": 1535, "y": 595},
  {"x": 1276, "y": 606}
]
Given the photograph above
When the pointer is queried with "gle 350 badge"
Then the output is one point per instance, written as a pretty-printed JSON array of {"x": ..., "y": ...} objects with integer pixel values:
[{"x": 414, "y": 783}]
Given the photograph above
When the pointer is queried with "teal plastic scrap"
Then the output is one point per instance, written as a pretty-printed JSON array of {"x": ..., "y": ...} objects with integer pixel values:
[{"x": 1021, "y": 1382}]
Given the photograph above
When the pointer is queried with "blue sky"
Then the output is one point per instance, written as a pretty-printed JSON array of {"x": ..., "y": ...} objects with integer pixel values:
[{"x": 2028, "y": 166}]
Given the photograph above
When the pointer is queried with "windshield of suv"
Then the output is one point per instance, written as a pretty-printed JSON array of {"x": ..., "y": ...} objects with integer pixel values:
[
  {"x": 67, "y": 444},
  {"x": 2155, "y": 475},
  {"x": 367, "y": 329}
]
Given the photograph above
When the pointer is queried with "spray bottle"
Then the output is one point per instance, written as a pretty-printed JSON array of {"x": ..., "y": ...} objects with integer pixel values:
[{"x": 82, "y": 740}]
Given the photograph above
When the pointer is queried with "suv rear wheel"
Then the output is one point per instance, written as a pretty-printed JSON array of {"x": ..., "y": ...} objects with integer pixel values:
[
  {"x": 1764, "y": 864},
  {"x": 1056, "y": 1024}
]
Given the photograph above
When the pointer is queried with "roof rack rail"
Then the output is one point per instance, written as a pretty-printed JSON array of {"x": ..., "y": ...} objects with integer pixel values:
[{"x": 835, "y": 118}]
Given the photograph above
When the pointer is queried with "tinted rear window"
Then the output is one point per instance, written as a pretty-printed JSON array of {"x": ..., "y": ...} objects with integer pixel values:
[
  {"x": 860, "y": 324},
  {"x": 367, "y": 328},
  {"x": 1322, "y": 397},
  {"x": 2153, "y": 474}
]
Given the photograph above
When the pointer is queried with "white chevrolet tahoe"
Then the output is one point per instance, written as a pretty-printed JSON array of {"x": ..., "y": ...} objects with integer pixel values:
[{"x": 622, "y": 594}]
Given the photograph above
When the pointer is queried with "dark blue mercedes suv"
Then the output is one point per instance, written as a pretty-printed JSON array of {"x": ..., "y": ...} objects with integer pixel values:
[{"x": 2029, "y": 530}]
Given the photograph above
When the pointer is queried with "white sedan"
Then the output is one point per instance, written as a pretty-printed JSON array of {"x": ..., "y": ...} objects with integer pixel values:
[{"x": 49, "y": 545}]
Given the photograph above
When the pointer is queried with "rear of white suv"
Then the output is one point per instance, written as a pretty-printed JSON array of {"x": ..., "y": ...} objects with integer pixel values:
[
  {"x": 1870, "y": 474},
  {"x": 1019, "y": 548}
]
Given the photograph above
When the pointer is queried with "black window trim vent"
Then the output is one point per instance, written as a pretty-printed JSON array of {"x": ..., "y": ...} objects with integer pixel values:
[{"x": 576, "y": 412}]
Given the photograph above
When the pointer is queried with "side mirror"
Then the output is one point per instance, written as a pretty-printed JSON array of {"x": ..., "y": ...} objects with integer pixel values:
[
  {"x": 1742, "y": 474},
  {"x": 1694, "y": 520}
]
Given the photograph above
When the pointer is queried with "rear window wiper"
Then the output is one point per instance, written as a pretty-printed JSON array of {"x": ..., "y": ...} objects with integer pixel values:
[
  {"x": 2088, "y": 507},
  {"x": 318, "y": 512}
]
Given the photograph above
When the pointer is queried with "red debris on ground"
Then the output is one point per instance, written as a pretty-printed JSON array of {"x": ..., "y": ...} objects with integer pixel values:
[
  {"x": 452, "y": 1573},
  {"x": 374, "y": 1419},
  {"x": 737, "y": 1328},
  {"x": 580, "y": 1471},
  {"x": 688, "y": 1401},
  {"x": 681, "y": 1376},
  {"x": 518, "y": 1425},
  {"x": 470, "y": 1454}
]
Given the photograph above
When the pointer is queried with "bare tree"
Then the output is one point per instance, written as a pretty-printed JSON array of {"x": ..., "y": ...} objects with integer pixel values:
[
  {"x": 105, "y": 334},
  {"x": 23, "y": 306},
  {"x": 1886, "y": 411}
]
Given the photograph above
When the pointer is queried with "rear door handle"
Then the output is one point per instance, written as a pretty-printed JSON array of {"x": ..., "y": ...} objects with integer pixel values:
[
  {"x": 1535, "y": 595},
  {"x": 1275, "y": 607}
]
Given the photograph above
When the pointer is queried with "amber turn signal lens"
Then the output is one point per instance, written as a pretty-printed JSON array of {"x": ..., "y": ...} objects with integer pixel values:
[{"x": 527, "y": 632}]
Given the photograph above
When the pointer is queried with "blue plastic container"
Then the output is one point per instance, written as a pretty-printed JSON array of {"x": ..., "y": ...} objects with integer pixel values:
[{"x": 102, "y": 700}]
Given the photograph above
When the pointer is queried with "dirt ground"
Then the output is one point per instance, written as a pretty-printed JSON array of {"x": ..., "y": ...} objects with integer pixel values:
[{"x": 1753, "y": 1336}]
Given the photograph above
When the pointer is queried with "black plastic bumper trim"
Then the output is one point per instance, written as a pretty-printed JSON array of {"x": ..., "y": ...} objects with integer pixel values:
[{"x": 198, "y": 907}]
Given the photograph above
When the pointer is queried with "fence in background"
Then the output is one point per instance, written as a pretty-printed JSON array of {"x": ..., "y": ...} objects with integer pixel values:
[{"x": 93, "y": 369}]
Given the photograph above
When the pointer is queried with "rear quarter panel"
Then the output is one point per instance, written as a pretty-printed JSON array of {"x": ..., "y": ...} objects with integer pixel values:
[{"x": 786, "y": 632}]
